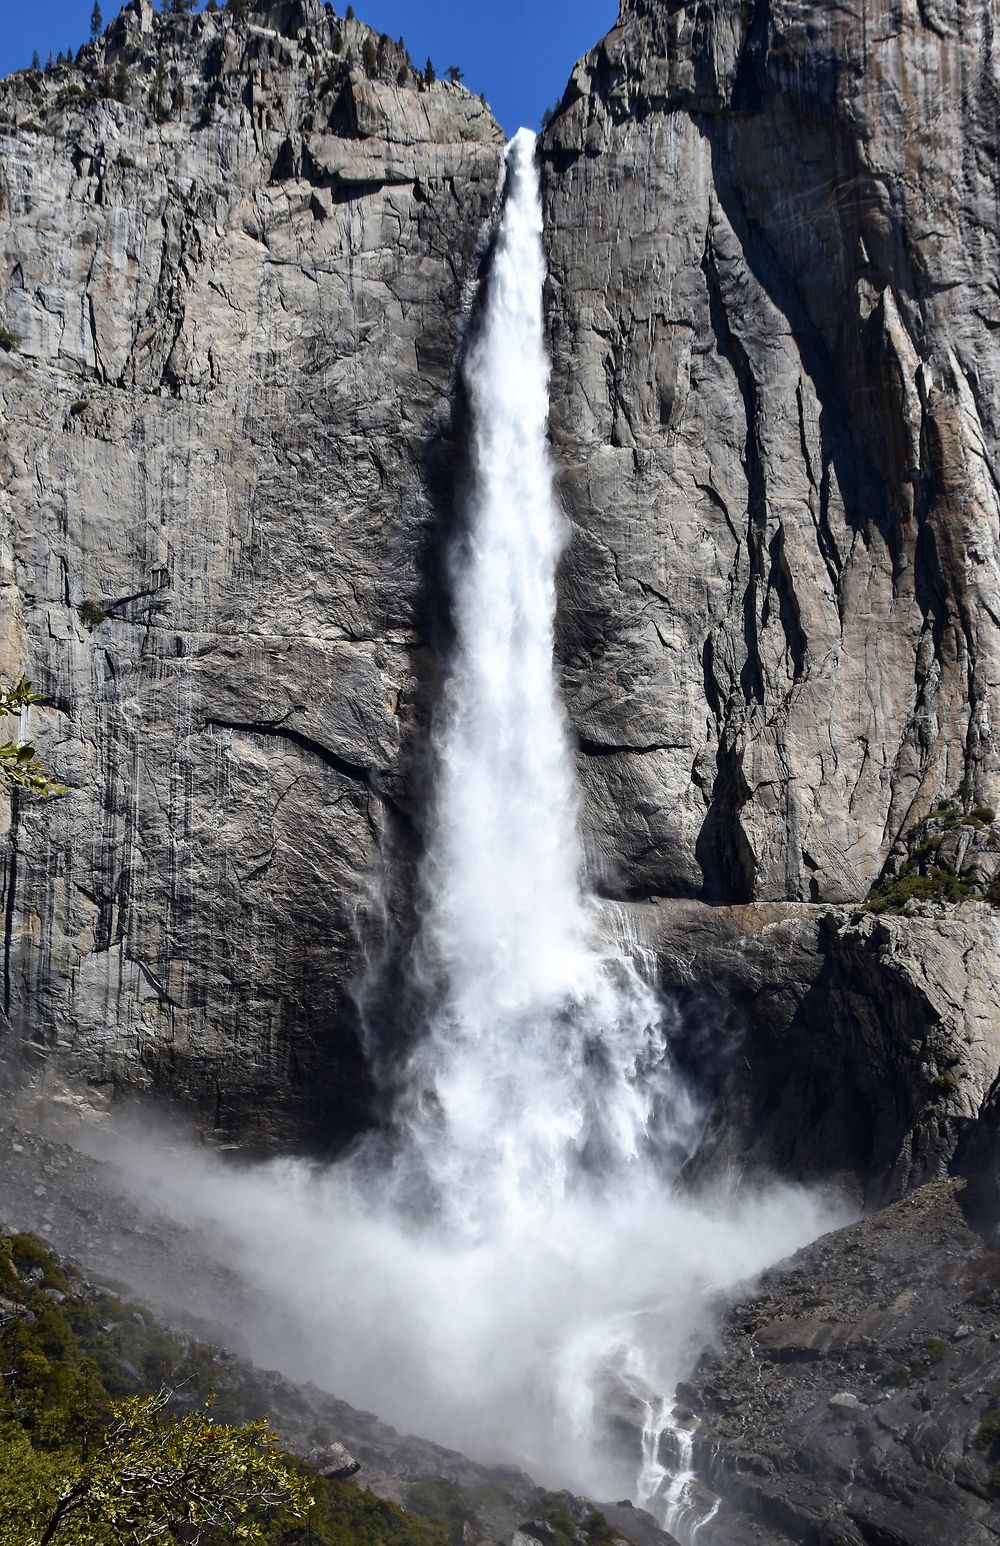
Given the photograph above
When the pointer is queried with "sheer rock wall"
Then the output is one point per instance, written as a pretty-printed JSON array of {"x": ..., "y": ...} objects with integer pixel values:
[
  {"x": 774, "y": 314},
  {"x": 232, "y": 303}
]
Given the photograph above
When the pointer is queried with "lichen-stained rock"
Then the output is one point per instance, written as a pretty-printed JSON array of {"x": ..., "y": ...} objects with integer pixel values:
[
  {"x": 231, "y": 304},
  {"x": 773, "y": 315}
]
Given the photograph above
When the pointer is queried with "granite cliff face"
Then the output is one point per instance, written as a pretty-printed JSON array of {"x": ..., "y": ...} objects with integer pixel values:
[
  {"x": 232, "y": 303},
  {"x": 774, "y": 308}
]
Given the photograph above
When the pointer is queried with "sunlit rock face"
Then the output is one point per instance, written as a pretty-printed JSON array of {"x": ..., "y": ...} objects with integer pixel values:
[
  {"x": 233, "y": 302},
  {"x": 773, "y": 314},
  {"x": 231, "y": 437}
]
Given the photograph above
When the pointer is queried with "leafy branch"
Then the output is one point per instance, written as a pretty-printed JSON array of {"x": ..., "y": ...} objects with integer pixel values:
[{"x": 20, "y": 766}]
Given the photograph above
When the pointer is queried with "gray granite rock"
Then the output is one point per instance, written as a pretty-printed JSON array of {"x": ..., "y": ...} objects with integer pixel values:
[
  {"x": 773, "y": 317},
  {"x": 232, "y": 303},
  {"x": 901, "y": 1454}
]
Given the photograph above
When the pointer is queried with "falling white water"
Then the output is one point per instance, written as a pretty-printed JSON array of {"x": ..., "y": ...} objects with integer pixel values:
[
  {"x": 520, "y": 1278},
  {"x": 544, "y": 1064},
  {"x": 668, "y": 1484}
]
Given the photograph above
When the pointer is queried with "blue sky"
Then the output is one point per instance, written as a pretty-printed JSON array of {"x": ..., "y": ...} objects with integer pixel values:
[{"x": 518, "y": 52}]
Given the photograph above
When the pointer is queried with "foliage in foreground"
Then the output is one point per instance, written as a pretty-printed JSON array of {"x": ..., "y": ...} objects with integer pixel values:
[
  {"x": 20, "y": 767},
  {"x": 149, "y": 1476},
  {"x": 89, "y": 1457}
]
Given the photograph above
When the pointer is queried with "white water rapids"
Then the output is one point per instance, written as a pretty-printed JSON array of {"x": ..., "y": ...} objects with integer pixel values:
[{"x": 520, "y": 1278}]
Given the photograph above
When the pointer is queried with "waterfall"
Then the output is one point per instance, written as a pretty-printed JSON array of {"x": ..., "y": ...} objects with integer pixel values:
[
  {"x": 515, "y": 1273},
  {"x": 544, "y": 1062}
]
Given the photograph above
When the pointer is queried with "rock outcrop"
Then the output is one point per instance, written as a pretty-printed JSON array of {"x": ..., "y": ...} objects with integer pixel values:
[
  {"x": 234, "y": 263},
  {"x": 772, "y": 230},
  {"x": 853, "y": 1399},
  {"x": 832, "y": 1044}
]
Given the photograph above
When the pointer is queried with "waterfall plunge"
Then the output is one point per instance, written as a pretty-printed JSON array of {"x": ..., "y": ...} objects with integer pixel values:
[
  {"x": 544, "y": 1065},
  {"x": 519, "y": 1278}
]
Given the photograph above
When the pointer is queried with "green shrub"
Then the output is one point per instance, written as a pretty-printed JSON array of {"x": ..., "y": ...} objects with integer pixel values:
[
  {"x": 91, "y": 614},
  {"x": 442, "y": 1503},
  {"x": 349, "y": 1516},
  {"x": 938, "y": 885},
  {"x": 987, "y": 1438}
]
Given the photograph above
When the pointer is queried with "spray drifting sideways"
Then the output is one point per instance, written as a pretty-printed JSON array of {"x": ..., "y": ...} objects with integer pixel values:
[{"x": 520, "y": 1265}]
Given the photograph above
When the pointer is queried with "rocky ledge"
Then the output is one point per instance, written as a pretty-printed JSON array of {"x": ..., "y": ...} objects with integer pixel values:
[{"x": 854, "y": 1400}]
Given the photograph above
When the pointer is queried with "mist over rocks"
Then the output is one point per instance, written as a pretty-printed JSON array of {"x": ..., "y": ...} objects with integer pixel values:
[{"x": 847, "y": 1400}]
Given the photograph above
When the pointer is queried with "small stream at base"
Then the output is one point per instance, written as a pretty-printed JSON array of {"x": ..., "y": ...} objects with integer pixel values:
[{"x": 668, "y": 1486}]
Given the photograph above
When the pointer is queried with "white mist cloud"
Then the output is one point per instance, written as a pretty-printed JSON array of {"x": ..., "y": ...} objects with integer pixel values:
[{"x": 512, "y": 1346}]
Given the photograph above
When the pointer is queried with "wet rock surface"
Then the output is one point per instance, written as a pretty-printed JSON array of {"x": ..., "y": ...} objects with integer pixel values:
[
  {"x": 849, "y": 1400},
  {"x": 827, "y": 1043}
]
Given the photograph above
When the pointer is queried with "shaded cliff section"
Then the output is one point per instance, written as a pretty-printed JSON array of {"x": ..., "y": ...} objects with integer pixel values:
[
  {"x": 235, "y": 259},
  {"x": 836, "y": 1046},
  {"x": 774, "y": 325}
]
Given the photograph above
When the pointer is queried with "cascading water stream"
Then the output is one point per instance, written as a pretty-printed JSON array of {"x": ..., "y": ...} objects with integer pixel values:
[
  {"x": 544, "y": 1063},
  {"x": 543, "y": 1075},
  {"x": 517, "y": 1276}
]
